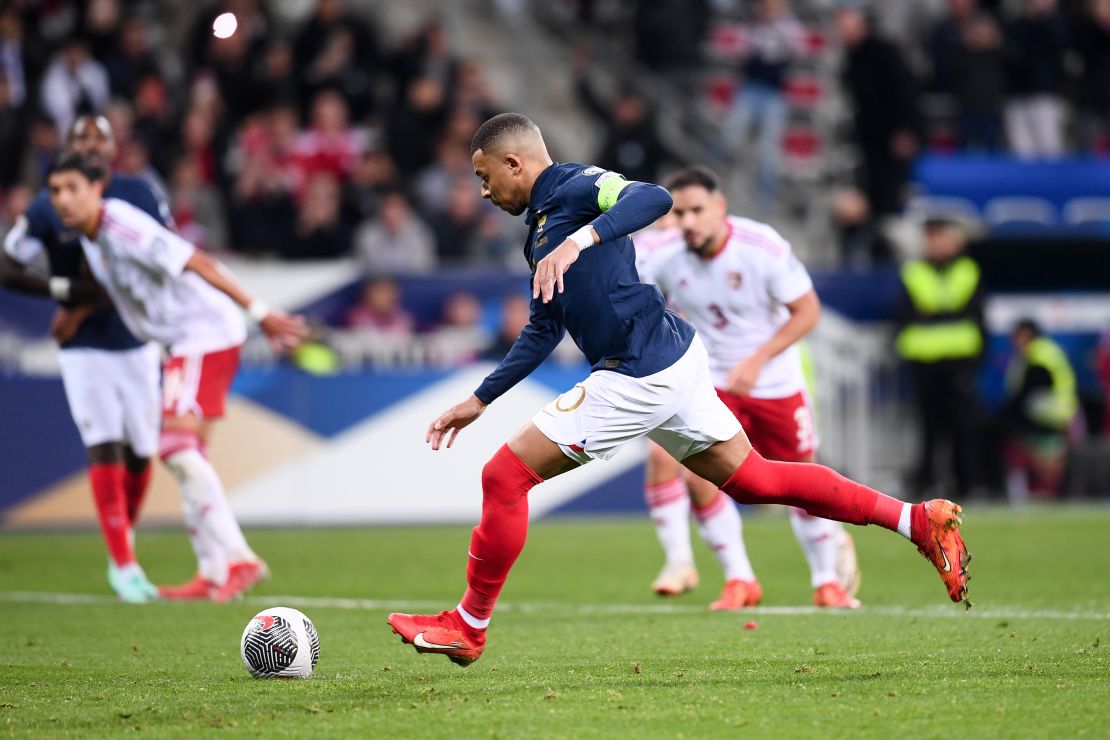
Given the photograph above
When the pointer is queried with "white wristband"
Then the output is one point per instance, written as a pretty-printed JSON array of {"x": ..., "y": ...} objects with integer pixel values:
[
  {"x": 258, "y": 311},
  {"x": 59, "y": 288},
  {"x": 584, "y": 237}
]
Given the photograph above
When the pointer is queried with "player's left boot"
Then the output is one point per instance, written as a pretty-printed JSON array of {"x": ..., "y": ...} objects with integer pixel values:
[
  {"x": 241, "y": 577},
  {"x": 444, "y": 633},
  {"x": 736, "y": 595},
  {"x": 675, "y": 579},
  {"x": 833, "y": 596},
  {"x": 131, "y": 584},
  {"x": 847, "y": 564},
  {"x": 937, "y": 536},
  {"x": 197, "y": 588}
]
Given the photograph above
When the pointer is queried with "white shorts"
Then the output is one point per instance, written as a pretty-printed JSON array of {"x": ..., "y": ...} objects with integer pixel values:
[
  {"x": 114, "y": 395},
  {"x": 677, "y": 408}
]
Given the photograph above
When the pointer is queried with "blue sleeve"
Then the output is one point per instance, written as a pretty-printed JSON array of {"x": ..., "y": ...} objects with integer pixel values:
[
  {"x": 144, "y": 198},
  {"x": 638, "y": 205},
  {"x": 39, "y": 221},
  {"x": 539, "y": 338}
]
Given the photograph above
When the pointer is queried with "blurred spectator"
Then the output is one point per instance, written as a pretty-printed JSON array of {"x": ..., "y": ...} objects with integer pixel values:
[
  {"x": 254, "y": 30},
  {"x": 74, "y": 83},
  {"x": 1092, "y": 44},
  {"x": 13, "y": 136},
  {"x": 774, "y": 40},
  {"x": 379, "y": 309},
  {"x": 45, "y": 140},
  {"x": 668, "y": 34},
  {"x": 425, "y": 55},
  {"x": 397, "y": 241},
  {"x": 883, "y": 95},
  {"x": 134, "y": 160},
  {"x": 414, "y": 125},
  {"x": 336, "y": 50},
  {"x": 153, "y": 121},
  {"x": 630, "y": 143},
  {"x": 979, "y": 66},
  {"x": 20, "y": 59},
  {"x": 472, "y": 91},
  {"x": 460, "y": 337},
  {"x": 330, "y": 144},
  {"x": 433, "y": 184},
  {"x": 263, "y": 211},
  {"x": 321, "y": 233},
  {"x": 1041, "y": 407},
  {"x": 197, "y": 209},
  {"x": 941, "y": 340},
  {"x": 1036, "y": 43},
  {"x": 457, "y": 227},
  {"x": 372, "y": 178},
  {"x": 232, "y": 63},
  {"x": 16, "y": 201},
  {"x": 277, "y": 77},
  {"x": 947, "y": 43},
  {"x": 515, "y": 312},
  {"x": 861, "y": 238},
  {"x": 129, "y": 58}
]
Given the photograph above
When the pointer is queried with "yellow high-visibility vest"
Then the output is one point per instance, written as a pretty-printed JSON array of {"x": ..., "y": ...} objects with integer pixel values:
[
  {"x": 1054, "y": 407},
  {"x": 938, "y": 292}
]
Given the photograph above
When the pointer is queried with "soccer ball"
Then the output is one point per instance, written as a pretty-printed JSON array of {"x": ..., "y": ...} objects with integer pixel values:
[{"x": 280, "y": 642}]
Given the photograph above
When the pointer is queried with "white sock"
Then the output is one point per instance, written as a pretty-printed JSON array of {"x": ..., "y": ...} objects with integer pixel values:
[
  {"x": 820, "y": 542},
  {"x": 201, "y": 487},
  {"x": 904, "y": 520},
  {"x": 128, "y": 571},
  {"x": 211, "y": 561},
  {"x": 669, "y": 506},
  {"x": 720, "y": 526},
  {"x": 470, "y": 619}
]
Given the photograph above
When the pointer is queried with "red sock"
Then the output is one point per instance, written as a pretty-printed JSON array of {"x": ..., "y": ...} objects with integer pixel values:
[
  {"x": 136, "y": 485},
  {"x": 499, "y": 536},
  {"x": 818, "y": 490},
  {"x": 111, "y": 509}
]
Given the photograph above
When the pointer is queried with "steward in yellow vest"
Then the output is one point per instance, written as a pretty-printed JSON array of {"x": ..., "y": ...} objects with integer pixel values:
[{"x": 940, "y": 337}]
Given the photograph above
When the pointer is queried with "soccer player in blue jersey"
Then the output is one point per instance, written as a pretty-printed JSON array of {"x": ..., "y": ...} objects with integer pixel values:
[
  {"x": 650, "y": 377},
  {"x": 111, "y": 378}
]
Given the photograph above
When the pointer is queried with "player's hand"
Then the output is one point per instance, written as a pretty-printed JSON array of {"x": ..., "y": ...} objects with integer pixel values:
[
  {"x": 452, "y": 420},
  {"x": 284, "y": 331},
  {"x": 67, "y": 321},
  {"x": 744, "y": 374},
  {"x": 549, "y": 270}
]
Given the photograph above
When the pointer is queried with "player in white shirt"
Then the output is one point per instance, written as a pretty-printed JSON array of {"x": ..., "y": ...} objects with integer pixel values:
[
  {"x": 750, "y": 299},
  {"x": 169, "y": 292}
]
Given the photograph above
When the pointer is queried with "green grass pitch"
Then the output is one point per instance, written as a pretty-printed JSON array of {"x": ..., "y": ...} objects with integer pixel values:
[{"x": 581, "y": 648}]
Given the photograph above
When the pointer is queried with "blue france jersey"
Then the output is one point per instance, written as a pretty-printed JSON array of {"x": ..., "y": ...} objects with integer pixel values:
[
  {"x": 620, "y": 324},
  {"x": 103, "y": 329}
]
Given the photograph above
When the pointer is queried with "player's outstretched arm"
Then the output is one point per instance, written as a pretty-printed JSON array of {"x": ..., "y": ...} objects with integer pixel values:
[
  {"x": 283, "y": 331},
  {"x": 449, "y": 423}
]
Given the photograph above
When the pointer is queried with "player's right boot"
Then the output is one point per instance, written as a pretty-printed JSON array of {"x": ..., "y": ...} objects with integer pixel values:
[
  {"x": 833, "y": 596},
  {"x": 241, "y": 577},
  {"x": 444, "y": 633},
  {"x": 938, "y": 540},
  {"x": 131, "y": 584},
  {"x": 675, "y": 579},
  {"x": 736, "y": 595},
  {"x": 197, "y": 588}
]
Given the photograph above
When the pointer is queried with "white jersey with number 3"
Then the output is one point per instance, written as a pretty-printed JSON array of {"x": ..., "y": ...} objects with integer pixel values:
[
  {"x": 142, "y": 266},
  {"x": 736, "y": 300}
]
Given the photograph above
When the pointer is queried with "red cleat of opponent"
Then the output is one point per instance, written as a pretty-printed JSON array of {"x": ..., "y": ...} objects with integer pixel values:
[
  {"x": 241, "y": 577},
  {"x": 736, "y": 595},
  {"x": 197, "y": 588}
]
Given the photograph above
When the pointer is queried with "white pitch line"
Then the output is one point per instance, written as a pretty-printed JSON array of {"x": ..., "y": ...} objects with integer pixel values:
[{"x": 311, "y": 602}]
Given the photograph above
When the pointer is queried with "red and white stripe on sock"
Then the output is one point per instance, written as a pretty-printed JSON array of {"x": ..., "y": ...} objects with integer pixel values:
[
  {"x": 669, "y": 507},
  {"x": 720, "y": 526}
]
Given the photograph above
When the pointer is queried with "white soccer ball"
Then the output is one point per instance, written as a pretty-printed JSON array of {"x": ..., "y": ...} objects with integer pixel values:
[{"x": 280, "y": 642}]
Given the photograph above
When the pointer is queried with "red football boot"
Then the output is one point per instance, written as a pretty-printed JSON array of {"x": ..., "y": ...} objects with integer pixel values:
[
  {"x": 736, "y": 595},
  {"x": 241, "y": 577},
  {"x": 197, "y": 588},
  {"x": 939, "y": 541},
  {"x": 833, "y": 596},
  {"x": 444, "y": 633}
]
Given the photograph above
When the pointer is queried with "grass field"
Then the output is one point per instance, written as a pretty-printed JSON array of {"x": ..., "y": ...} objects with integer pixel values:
[{"x": 581, "y": 648}]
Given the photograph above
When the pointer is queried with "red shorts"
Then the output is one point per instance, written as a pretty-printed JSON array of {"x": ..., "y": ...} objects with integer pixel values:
[
  {"x": 778, "y": 428},
  {"x": 198, "y": 384}
]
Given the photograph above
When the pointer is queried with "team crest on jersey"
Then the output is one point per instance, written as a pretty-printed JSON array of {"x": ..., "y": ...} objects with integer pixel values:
[
  {"x": 540, "y": 221},
  {"x": 734, "y": 280},
  {"x": 682, "y": 282}
]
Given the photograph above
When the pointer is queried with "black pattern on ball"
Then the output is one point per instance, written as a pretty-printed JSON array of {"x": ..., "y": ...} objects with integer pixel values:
[
  {"x": 270, "y": 646},
  {"x": 313, "y": 640}
]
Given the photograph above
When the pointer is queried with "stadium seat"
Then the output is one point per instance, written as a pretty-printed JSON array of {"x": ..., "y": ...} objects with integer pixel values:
[
  {"x": 1087, "y": 212},
  {"x": 1015, "y": 214},
  {"x": 804, "y": 91},
  {"x": 923, "y": 206}
]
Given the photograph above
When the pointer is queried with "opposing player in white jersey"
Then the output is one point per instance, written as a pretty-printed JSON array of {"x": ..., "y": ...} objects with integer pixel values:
[
  {"x": 169, "y": 292},
  {"x": 738, "y": 282}
]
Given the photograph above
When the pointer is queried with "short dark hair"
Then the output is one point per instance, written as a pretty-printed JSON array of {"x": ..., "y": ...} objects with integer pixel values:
[
  {"x": 1027, "y": 325},
  {"x": 691, "y": 176},
  {"x": 490, "y": 134},
  {"x": 71, "y": 162}
]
